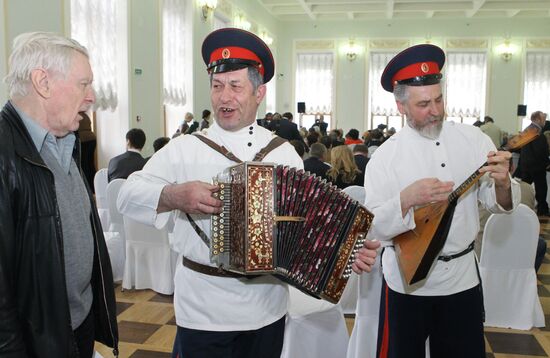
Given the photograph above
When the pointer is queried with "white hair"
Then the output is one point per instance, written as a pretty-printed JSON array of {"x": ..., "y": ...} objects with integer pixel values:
[{"x": 33, "y": 50}]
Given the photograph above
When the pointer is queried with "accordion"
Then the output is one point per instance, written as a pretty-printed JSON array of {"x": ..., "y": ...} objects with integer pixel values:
[{"x": 287, "y": 222}]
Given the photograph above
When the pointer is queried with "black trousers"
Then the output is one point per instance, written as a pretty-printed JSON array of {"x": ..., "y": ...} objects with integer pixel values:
[
  {"x": 541, "y": 188},
  {"x": 84, "y": 336},
  {"x": 266, "y": 342},
  {"x": 453, "y": 323}
]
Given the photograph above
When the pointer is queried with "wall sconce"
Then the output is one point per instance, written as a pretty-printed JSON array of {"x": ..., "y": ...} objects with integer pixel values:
[
  {"x": 506, "y": 50},
  {"x": 351, "y": 50},
  {"x": 266, "y": 38},
  {"x": 207, "y": 7},
  {"x": 241, "y": 23}
]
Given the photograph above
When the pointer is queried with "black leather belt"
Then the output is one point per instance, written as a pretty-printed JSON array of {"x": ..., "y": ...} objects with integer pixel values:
[
  {"x": 448, "y": 258},
  {"x": 212, "y": 271}
]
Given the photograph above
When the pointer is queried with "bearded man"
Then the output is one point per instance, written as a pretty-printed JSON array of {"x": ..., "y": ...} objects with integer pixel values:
[{"x": 419, "y": 165}]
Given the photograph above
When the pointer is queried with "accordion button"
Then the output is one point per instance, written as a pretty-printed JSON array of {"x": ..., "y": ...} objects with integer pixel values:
[
  {"x": 222, "y": 232},
  {"x": 215, "y": 252},
  {"x": 221, "y": 197},
  {"x": 221, "y": 249},
  {"x": 221, "y": 221}
]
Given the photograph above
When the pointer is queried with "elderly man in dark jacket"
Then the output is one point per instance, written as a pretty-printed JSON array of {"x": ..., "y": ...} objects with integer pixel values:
[{"x": 56, "y": 283}]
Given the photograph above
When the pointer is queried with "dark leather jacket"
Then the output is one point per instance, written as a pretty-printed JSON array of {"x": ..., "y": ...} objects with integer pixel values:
[{"x": 34, "y": 311}]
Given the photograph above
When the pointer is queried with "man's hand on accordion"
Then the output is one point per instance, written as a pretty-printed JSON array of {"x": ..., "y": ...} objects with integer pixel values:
[
  {"x": 193, "y": 198},
  {"x": 365, "y": 257}
]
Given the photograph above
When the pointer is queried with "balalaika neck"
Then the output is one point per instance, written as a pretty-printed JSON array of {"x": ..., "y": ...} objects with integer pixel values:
[{"x": 467, "y": 184}]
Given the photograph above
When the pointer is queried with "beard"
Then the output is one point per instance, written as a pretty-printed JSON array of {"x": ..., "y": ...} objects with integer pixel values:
[{"x": 431, "y": 128}]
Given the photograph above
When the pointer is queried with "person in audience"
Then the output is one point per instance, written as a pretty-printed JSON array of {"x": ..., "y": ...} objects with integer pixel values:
[
  {"x": 88, "y": 143},
  {"x": 121, "y": 166},
  {"x": 420, "y": 165},
  {"x": 352, "y": 137},
  {"x": 320, "y": 126},
  {"x": 343, "y": 171},
  {"x": 493, "y": 131},
  {"x": 288, "y": 116},
  {"x": 218, "y": 313},
  {"x": 158, "y": 144},
  {"x": 56, "y": 283},
  {"x": 361, "y": 157},
  {"x": 375, "y": 141},
  {"x": 316, "y": 163},
  {"x": 189, "y": 124},
  {"x": 533, "y": 161},
  {"x": 299, "y": 146},
  {"x": 312, "y": 139},
  {"x": 266, "y": 121},
  {"x": 284, "y": 128},
  {"x": 205, "y": 123}
]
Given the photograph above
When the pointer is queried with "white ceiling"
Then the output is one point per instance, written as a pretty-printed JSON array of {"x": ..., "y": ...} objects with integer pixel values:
[{"x": 313, "y": 10}]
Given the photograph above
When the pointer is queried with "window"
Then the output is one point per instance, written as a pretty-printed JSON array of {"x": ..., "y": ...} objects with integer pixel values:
[
  {"x": 174, "y": 46},
  {"x": 464, "y": 81},
  {"x": 537, "y": 84},
  {"x": 383, "y": 109},
  {"x": 314, "y": 85},
  {"x": 93, "y": 24}
]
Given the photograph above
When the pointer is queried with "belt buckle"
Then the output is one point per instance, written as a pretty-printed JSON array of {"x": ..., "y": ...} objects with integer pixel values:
[{"x": 445, "y": 258}]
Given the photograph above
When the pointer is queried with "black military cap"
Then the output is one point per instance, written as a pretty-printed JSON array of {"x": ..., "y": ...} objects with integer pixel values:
[
  {"x": 418, "y": 65},
  {"x": 231, "y": 49}
]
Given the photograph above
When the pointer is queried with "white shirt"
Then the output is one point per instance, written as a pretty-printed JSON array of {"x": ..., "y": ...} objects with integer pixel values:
[
  {"x": 201, "y": 301},
  {"x": 407, "y": 157}
]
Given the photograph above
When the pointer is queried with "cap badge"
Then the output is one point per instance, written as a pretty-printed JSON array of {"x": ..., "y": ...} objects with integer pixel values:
[
  {"x": 424, "y": 67},
  {"x": 226, "y": 53}
]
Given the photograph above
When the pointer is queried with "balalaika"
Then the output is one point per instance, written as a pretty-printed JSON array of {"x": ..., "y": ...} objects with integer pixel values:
[
  {"x": 287, "y": 222},
  {"x": 417, "y": 249}
]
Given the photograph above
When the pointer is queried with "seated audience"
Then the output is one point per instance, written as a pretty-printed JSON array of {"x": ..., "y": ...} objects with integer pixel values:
[
  {"x": 344, "y": 171},
  {"x": 361, "y": 156},
  {"x": 158, "y": 144},
  {"x": 376, "y": 140},
  {"x": 315, "y": 164},
  {"x": 299, "y": 146},
  {"x": 205, "y": 123},
  {"x": 352, "y": 137},
  {"x": 126, "y": 163},
  {"x": 88, "y": 144}
]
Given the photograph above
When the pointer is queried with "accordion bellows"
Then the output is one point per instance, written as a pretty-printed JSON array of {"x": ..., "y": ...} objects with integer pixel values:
[{"x": 287, "y": 222}]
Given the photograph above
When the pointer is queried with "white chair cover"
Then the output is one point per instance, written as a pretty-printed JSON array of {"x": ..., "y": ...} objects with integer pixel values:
[
  {"x": 364, "y": 336},
  {"x": 150, "y": 263},
  {"x": 114, "y": 236},
  {"x": 100, "y": 187},
  {"x": 507, "y": 270},
  {"x": 314, "y": 328}
]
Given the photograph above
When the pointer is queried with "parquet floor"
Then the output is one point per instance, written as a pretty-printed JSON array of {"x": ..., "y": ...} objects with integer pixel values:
[{"x": 147, "y": 324}]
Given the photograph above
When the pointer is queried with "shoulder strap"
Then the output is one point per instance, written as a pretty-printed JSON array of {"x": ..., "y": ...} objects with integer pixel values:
[
  {"x": 218, "y": 148},
  {"x": 274, "y": 143}
]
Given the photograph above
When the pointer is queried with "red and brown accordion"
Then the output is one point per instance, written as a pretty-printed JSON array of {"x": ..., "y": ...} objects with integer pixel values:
[{"x": 290, "y": 223}]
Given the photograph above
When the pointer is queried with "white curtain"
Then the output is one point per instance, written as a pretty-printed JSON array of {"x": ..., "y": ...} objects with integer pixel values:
[
  {"x": 537, "y": 82},
  {"x": 174, "y": 47},
  {"x": 465, "y": 75},
  {"x": 93, "y": 25},
  {"x": 314, "y": 81},
  {"x": 382, "y": 103}
]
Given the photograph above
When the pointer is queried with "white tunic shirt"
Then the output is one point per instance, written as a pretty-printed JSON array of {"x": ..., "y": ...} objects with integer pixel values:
[
  {"x": 201, "y": 301},
  {"x": 407, "y": 157}
]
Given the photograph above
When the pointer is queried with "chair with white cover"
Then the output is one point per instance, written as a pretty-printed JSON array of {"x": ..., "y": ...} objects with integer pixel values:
[
  {"x": 114, "y": 234},
  {"x": 150, "y": 262},
  {"x": 100, "y": 188},
  {"x": 314, "y": 328},
  {"x": 507, "y": 270},
  {"x": 364, "y": 336}
]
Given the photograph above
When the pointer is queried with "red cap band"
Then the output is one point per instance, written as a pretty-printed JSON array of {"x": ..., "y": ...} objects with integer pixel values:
[
  {"x": 416, "y": 70},
  {"x": 237, "y": 53}
]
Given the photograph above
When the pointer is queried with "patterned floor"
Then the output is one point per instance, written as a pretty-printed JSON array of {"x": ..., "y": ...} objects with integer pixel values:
[{"x": 147, "y": 325}]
